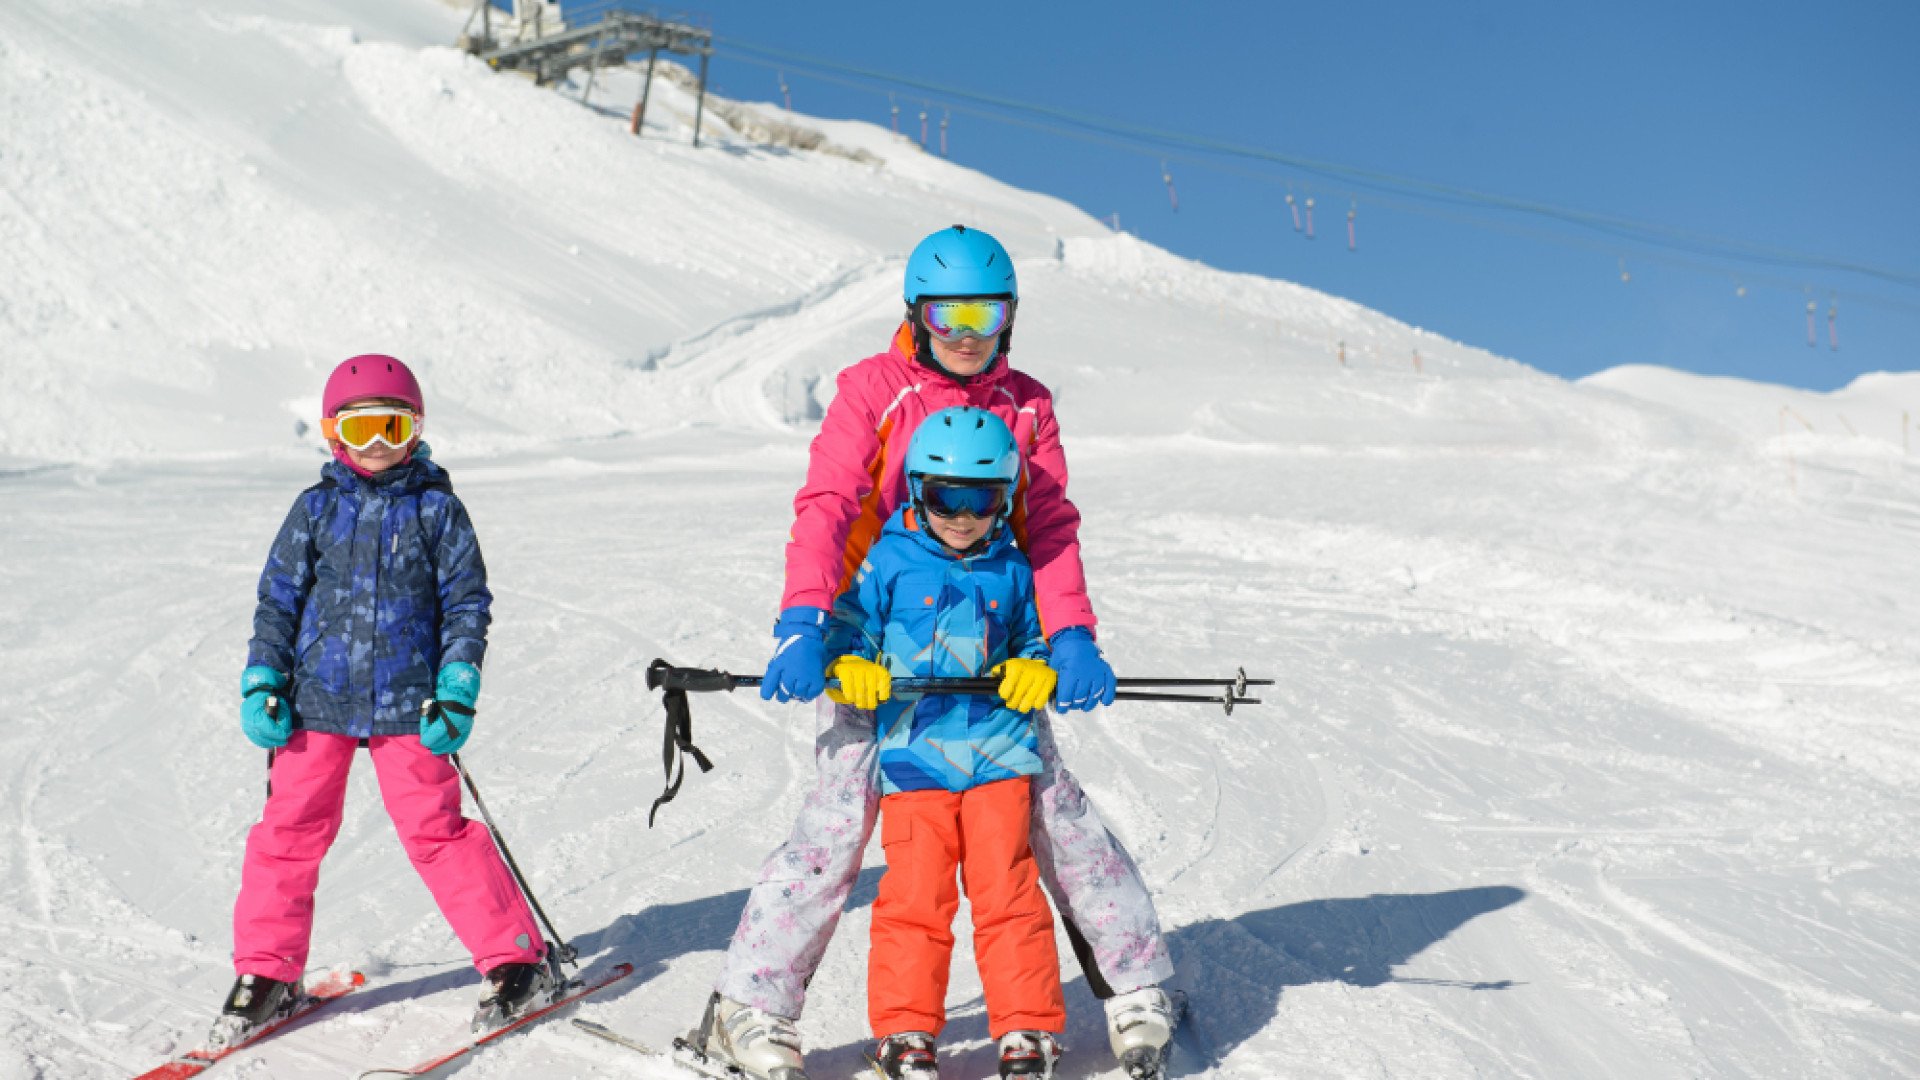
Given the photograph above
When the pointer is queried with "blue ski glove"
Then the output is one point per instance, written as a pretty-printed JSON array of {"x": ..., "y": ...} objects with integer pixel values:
[
  {"x": 444, "y": 728},
  {"x": 1086, "y": 679},
  {"x": 798, "y": 670},
  {"x": 267, "y": 726}
]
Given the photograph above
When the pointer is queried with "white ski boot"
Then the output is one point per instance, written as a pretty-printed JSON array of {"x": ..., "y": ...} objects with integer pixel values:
[
  {"x": 1028, "y": 1054},
  {"x": 1140, "y": 1028},
  {"x": 740, "y": 1042}
]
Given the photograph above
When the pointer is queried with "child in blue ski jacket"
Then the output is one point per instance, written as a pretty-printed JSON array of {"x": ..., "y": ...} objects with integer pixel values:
[
  {"x": 944, "y": 593},
  {"x": 373, "y": 601}
]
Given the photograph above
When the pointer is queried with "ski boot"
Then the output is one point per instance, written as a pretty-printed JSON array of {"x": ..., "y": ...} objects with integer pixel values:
[
  {"x": 511, "y": 991},
  {"x": 1028, "y": 1054},
  {"x": 740, "y": 1042},
  {"x": 906, "y": 1056},
  {"x": 1140, "y": 1027},
  {"x": 254, "y": 1002}
]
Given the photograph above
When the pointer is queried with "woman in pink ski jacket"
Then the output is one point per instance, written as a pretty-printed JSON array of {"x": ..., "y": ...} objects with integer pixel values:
[{"x": 961, "y": 293}]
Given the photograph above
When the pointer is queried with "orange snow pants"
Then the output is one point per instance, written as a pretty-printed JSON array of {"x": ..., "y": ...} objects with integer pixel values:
[{"x": 982, "y": 832}]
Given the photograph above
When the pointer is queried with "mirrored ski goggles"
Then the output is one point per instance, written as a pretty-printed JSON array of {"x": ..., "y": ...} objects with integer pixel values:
[
  {"x": 951, "y": 320},
  {"x": 943, "y": 499},
  {"x": 361, "y": 428}
]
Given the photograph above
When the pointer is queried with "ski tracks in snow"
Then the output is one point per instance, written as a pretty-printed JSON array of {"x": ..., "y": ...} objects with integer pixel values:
[{"x": 733, "y": 364}]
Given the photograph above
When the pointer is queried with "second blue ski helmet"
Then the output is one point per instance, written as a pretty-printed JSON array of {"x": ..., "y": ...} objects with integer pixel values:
[
  {"x": 958, "y": 261},
  {"x": 964, "y": 444}
]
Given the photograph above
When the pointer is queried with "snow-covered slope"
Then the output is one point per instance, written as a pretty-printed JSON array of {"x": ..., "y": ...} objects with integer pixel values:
[
  {"x": 1593, "y": 752},
  {"x": 1868, "y": 415}
]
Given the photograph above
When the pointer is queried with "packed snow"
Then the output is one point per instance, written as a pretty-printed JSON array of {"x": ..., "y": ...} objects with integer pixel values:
[{"x": 1594, "y": 748}]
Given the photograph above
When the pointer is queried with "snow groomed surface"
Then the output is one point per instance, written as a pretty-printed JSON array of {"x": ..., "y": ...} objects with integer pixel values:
[{"x": 1593, "y": 748}]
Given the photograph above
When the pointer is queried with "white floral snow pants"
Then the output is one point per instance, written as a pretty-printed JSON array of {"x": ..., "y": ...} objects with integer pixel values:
[{"x": 804, "y": 884}]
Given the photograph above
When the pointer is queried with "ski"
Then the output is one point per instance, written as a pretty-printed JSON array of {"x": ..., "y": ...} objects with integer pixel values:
[
  {"x": 575, "y": 991},
  {"x": 194, "y": 1062},
  {"x": 602, "y": 1031}
]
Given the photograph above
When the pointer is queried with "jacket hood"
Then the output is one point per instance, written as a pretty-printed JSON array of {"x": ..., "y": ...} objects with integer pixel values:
[{"x": 410, "y": 477}]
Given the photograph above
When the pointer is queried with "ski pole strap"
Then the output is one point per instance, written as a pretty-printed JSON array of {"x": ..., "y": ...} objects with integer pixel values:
[
  {"x": 440, "y": 710},
  {"x": 678, "y": 744}
]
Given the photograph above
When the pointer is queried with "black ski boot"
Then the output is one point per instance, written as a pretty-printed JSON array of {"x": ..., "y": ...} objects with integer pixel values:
[
  {"x": 512, "y": 991},
  {"x": 1028, "y": 1054},
  {"x": 254, "y": 1002},
  {"x": 906, "y": 1056}
]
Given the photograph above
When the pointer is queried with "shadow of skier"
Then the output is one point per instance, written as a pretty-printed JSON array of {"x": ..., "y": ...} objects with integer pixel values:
[
  {"x": 1235, "y": 972},
  {"x": 648, "y": 939}
]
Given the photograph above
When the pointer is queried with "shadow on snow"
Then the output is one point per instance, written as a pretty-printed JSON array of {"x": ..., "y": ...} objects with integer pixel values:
[{"x": 1234, "y": 971}]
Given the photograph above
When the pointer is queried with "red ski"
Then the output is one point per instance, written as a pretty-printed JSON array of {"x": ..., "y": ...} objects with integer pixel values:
[
  {"x": 195, "y": 1062},
  {"x": 575, "y": 992}
]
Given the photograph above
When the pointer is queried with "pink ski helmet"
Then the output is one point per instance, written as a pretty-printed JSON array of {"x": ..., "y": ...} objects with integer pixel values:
[{"x": 371, "y": 375}]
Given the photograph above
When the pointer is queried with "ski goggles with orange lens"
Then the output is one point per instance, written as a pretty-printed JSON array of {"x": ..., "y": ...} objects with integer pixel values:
[
  {"x": 947, "y": 500},
  {"x": 951, "y": 320},
  {"x": 361, "y": 428}
]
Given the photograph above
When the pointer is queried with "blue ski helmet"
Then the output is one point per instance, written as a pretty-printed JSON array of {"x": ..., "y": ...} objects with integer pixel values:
[
  {"x": 958, "y": 261},
  {"x": 965, "y": 444}
]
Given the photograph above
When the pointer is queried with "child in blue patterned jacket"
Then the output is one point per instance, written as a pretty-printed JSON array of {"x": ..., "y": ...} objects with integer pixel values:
[
  {"x": 373, "y": 601},
  {"x": 945, "y": 593}
]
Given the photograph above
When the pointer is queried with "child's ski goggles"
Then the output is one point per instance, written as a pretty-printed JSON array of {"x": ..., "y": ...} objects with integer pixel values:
[
  {"x": 951, "y": 320},
  {"x": 361, "y": 428},
  {"x": 951, "y": 500}
]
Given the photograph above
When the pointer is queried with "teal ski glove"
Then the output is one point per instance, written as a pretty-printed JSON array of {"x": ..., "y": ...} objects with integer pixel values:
[
  {"x": 444, "y": 728},
  {"x": 264, "y": 715}
]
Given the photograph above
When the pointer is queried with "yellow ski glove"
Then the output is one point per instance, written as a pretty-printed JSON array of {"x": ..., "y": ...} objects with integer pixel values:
[
  {"x": 1026, "y": 685},
  {"x": 863, "y": 683}
]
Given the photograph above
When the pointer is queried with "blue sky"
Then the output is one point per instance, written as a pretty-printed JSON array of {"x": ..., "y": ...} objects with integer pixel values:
[{"x": 1785, "y": 126}]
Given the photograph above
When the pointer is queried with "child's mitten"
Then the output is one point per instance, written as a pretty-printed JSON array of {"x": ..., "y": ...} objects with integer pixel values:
[
  {"x": 264, "y": 715},
  {"x": 445, "y": 727}
]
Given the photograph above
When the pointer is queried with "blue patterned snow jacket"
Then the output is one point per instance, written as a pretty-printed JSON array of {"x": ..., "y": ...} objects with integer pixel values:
[
  {"x": 925, "y": 612},
  {"x": 372, "y": 585}
]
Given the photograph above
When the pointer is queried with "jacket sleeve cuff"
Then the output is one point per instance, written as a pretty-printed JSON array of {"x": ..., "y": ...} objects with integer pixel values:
[
  {"x": 260, "y": 654},
  {"x": 801, "y": 619},
  {"x": 463, "y": 651},
  {"x": 1075, "y": 633}
]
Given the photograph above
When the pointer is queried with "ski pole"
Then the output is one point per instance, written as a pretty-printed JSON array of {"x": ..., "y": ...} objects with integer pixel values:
[
  {"x": 987, "y": 687},
  {"x": 562, "y": 948},
  {"x": 661, "y": 675}
]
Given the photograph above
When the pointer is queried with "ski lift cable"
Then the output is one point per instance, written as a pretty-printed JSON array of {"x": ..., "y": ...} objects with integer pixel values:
[
  {"x": 1426, "y": 207},
  {"x": 1646, "y": 232}
]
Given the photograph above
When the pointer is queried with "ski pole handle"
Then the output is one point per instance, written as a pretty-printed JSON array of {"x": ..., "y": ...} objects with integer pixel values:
[{"x": 664, "y": 676}]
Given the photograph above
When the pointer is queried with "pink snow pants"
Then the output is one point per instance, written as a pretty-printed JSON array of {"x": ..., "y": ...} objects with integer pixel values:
[{"x": 273, "y": 919}]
